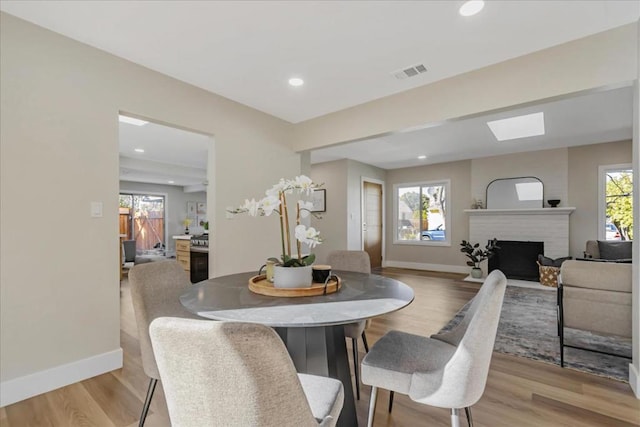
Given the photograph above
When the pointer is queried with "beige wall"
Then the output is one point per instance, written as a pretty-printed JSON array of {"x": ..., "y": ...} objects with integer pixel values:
[
  {"x": 333, "y": 225},
  {"x": 548, "y": 165},
  {"x": 355, "y": 173},
  {"x": 341, "y": 225},
  {"x": 460, "y": 175},
  {"x": 603, "y": 59},
  {"x": 583, "y": 188},
  {"x": 59, "y": 152}
]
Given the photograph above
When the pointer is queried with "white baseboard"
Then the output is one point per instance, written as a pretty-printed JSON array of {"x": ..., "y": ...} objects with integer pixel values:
[
  {"x": 430, "y": 267},
  {"x": 634, "y": 379},
  {"x": 21, "y": 388}
]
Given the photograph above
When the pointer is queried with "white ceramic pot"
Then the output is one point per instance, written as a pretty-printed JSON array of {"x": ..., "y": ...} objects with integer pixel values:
[
  {"x": 292, "y": 277},
  {"x": 476, "y": 273}
]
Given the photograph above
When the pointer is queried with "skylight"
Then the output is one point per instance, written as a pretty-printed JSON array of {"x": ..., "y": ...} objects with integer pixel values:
[
  {"x": 518, "y": 127},
  {"x": 132, "y": 121}
]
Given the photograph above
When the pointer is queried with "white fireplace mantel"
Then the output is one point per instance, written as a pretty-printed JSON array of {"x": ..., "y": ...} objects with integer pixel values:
[
  {"x": 540, "y": 211},
  {"x": 547, "y": 225}
]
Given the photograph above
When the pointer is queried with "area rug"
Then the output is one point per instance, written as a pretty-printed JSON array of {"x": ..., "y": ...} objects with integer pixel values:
[{"x": 528, "y": 328}]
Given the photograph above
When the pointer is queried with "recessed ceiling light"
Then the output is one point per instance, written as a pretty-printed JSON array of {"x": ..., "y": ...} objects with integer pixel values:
[
  {"x": 171, "y": 182},
  {"x": 139, "y": 150},
  {"x": 518, "y": 127},
  {"x": 132, "y": 121},
  {"x": 295, "y": 81},
  {"x": 422, "y": 157},
  {"x": 471, "y": 7}
]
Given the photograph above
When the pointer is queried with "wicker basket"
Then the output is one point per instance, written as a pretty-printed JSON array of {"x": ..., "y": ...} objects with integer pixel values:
[{"x": 548, "y": 275}]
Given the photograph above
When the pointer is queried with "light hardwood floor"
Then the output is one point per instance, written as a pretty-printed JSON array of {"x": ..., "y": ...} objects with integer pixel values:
[{"x": 519, "y": 392}]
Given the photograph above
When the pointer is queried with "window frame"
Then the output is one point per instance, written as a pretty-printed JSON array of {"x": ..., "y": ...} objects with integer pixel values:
[
  {"x": 602, "y": 203},
  {"x": 447, "y": 216}
]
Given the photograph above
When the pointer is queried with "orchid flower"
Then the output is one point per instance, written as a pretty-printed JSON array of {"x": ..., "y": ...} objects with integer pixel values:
[{"x": 275, "y": 200}]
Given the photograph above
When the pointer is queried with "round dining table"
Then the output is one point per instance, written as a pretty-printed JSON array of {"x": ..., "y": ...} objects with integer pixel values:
[{"x": 312, "y": 326}]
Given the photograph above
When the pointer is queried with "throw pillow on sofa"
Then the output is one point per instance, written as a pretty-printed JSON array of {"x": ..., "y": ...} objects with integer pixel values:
[
  {"x": 616, "y": 250},
  {"x": 550, "y": 262}
]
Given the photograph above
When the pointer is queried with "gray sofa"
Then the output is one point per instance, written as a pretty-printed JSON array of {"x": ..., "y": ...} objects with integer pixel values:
[{"x": 595, "y": 297}]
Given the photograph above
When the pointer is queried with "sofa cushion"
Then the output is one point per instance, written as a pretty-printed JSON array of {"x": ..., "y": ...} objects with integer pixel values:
[
  {"x": 606, "y": 312},
  {"x": 597, "y": 275},
  {"x": 615, "y": 250}
]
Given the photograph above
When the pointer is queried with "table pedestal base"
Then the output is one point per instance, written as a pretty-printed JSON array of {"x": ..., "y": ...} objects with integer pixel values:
[{"x": 323, "y": 351}]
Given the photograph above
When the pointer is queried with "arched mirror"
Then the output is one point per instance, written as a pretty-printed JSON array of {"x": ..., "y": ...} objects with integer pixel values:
[{"x": 515, "y": 193}]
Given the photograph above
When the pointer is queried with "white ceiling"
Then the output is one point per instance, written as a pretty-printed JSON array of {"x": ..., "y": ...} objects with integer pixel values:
[
  {"x": 595, "y": 117},
  {"x": 346, "y": 52}
]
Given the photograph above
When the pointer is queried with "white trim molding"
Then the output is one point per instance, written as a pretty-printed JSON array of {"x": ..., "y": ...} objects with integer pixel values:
[
  {"x": 446, "y": 268},
  {"x": 21, "y": 388},
  {"x": 634, "y": 379}
]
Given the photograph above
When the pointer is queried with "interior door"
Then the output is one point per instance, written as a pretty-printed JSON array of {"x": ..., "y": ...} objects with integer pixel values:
[{"x": 372, "y": 224}]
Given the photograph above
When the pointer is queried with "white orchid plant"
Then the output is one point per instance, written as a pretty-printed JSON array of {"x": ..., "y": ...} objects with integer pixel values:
[{"x": 275, "y": 200}]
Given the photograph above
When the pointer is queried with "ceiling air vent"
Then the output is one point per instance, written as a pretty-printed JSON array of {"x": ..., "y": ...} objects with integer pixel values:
[{"x": 409, "y": 71}]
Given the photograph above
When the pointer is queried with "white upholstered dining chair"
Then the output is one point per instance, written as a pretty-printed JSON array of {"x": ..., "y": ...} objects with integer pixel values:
[
  {"x": 155, "y": 292},
  {"x": 233, "y": 374},
  {"x": 359, "y": 262},
  {"x": 447, "y": 370}
]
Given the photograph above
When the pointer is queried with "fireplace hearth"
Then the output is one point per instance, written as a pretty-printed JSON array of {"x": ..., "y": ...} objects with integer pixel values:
[{"x": 517, "y": 259}]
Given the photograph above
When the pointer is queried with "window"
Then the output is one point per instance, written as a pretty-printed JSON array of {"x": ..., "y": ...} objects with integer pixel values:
[
  {"x": 142, "y": 220},
  {"x": 421, "y": 213},
  {"x": 615, "y": 213}
]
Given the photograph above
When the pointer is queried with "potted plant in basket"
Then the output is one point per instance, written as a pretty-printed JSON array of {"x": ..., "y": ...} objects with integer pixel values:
[
  {"x": 476, "y": 255},
  {"x": 291, "y": 270}
]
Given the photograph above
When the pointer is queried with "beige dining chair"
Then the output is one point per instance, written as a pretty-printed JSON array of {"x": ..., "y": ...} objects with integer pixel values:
[
  {"x": 155, "y": 291},
  {"x": 232, "y": 374},
  {"x": 447, "y": 370},
  {"x": 359, "y": 262}
]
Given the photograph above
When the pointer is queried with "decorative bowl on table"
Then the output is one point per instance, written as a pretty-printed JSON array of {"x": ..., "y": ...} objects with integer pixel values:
[{"x": 553, "y": 202}]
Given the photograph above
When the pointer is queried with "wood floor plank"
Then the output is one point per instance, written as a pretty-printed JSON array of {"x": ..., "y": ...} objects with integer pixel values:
[
  {"x": 520, "y": 392},
  {"x": 74, "y": 406},
  {"x": 581, "y": 415},
  {"x": 34, "y": 412},
  {"x": 115, "y": 399}
]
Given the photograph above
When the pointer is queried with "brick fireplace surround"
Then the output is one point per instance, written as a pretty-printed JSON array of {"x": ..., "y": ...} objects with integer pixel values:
[{"x": 548, "y": 225}]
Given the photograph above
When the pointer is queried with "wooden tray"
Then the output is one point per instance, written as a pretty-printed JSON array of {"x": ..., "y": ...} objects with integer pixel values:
[{"x": 260, "y": 285}]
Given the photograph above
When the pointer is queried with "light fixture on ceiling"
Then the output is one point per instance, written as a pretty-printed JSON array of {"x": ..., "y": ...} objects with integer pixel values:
[
  {"x": 422, "y": 157},
  {"x": 139, "y": 150},
  {"x": 132, "y": 121},
  {"x": 171, "y": 182},
  {"x": 471, "y": 7},
  {"x": 296, "y": 81},
  {"x": 518, "y": 127}
]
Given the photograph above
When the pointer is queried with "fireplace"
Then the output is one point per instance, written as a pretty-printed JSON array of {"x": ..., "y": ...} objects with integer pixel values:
[{"x": 517, "y": 260}]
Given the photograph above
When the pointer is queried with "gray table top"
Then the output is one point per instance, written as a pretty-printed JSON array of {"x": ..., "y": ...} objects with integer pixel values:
[{"x": 361, "y": 296}]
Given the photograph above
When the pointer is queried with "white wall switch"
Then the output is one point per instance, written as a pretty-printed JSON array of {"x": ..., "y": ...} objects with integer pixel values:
[{"x": 96, "y": 209}]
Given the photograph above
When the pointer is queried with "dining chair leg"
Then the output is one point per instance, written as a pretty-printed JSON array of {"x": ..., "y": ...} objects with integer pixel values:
[
  {"x": 455, "y": 417},
  {"x": 372, "y": 406},
  {"x": 364, "y": 341},
  {"x": 467, "y": 411},
  {"x": 390, "y": 401},
  {"x": 147, "y": 401},
  {"x": 356, "y": 364}
]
